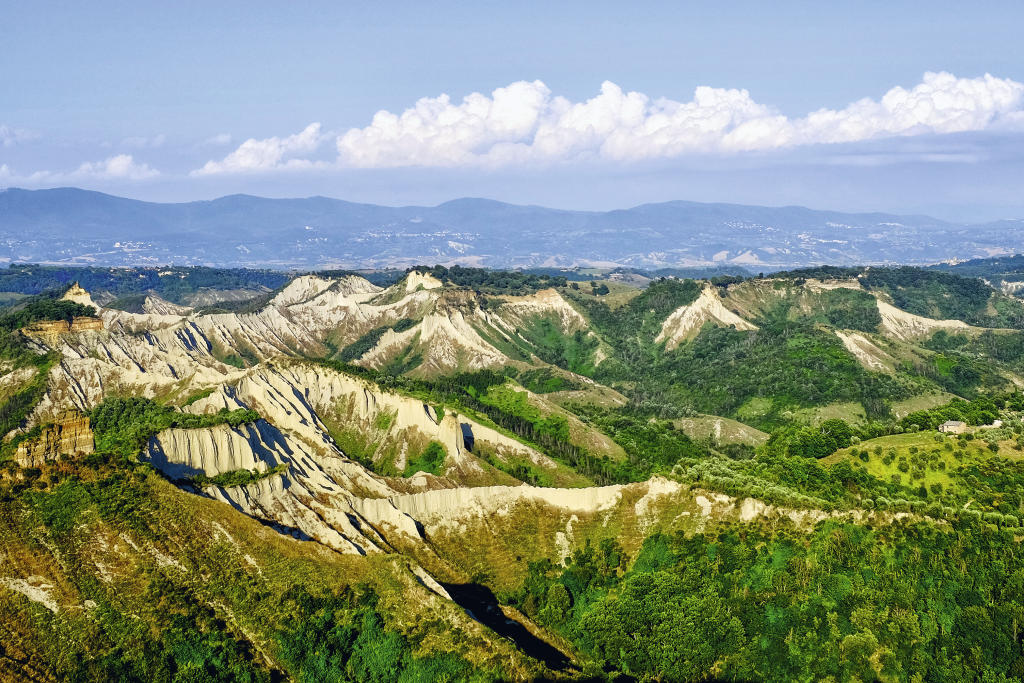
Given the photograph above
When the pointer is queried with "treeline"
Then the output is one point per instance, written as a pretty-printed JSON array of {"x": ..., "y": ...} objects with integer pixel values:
[
  {"x": 381, "y": 278},
  {"x": 170, "y": 282},
  {"x": 123, "y": 426},
  {"x": 1009, "y": 268},
  {"x": 41, "y": 309},
  {"x": 946, "y": 292},
  {"x": 511, "y": 282},
  {"x": 980, "y": 411}
]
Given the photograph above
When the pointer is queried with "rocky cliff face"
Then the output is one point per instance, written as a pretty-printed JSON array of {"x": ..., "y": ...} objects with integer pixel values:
[{"x": 69, "y": 434}]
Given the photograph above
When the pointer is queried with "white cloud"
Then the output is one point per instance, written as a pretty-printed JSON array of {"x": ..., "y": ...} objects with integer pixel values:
[
  {"x": 265, "y": 155},
  {"x": 524, "y": 122},
  {"x": 10, "y": 137},
  {"x": 121, "y": 167},
  {"x": 222, "y": 139}
]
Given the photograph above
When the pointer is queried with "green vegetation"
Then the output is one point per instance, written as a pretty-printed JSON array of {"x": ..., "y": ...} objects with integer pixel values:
[
  {"x": 236, "y": 477},
  {"x": 543, "y": 381},
  {"x": 359, "y": 347},
  {"x": 207, "y": 615},
  {"x": 43, "y": 309},
  {"x": 574, "y": 353},
  {"x": 980, "y": 411},
  {"x": 15, "y": 353},
  {"x": 843, "y": 602},
  {"x": 512, "y": 282},
  {"x": 198, "y": 396},
  {"x": 851, "y": 309},
  {"x": 18, "y": 407},
  {"x": 243, "y": 307},
  {"x": 331, "y": 641},
  {"x": 132, "y": 303},
  {"x": 485, "y": 396},
  {"x": 123, "y": 426},
  {"x": 431, "y": 461},
  {"x": 170, "y": 282}
]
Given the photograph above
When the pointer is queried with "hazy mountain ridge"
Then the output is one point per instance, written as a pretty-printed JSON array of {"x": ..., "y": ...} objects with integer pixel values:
[{"x": 76, "y": 226}]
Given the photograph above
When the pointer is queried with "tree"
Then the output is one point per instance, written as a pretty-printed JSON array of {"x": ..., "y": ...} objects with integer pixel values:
[{"x": 664, "y": 625}]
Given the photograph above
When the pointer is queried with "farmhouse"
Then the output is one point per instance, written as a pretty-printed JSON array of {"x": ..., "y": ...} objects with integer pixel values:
[{"x": 953, "y": 427}]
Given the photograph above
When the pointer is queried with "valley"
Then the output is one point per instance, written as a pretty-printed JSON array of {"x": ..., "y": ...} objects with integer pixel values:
[{"x": 460, "y": 474}]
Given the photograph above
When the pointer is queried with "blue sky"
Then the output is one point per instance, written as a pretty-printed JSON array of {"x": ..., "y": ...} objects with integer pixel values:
[{"x": 866, "y": 106}]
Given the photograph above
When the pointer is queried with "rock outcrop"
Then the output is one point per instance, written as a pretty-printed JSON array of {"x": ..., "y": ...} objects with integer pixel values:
[
  {"x": 68, "y": 435},
  {"x": 905, "y": 326},
  {"x": 685, "y": 322}
]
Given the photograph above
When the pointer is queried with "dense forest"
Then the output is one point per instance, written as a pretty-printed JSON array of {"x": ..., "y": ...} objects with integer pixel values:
[{"x": 170, "y": 282}]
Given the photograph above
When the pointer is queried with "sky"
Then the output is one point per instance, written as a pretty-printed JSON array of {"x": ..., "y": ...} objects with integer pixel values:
[{"x": 910, "y": 107}]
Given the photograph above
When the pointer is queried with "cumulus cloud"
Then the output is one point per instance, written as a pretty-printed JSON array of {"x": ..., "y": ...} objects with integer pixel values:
[
  {"x": 121, "y": 167},
  {"x": 524, "y": 121},
  {"x": 265, "y": 155}
]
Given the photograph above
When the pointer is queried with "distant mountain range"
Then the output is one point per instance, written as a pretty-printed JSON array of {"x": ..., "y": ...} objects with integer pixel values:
[{"x": 73, "y": 226}]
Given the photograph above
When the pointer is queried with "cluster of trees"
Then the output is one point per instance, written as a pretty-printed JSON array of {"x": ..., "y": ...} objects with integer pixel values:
[
  {"x": 934, "y": 293},
  {"x": 171, "y": 282},
  {"x": 820, "y": 273},
  {"x": 15, "y": 351},
  {"x": 573, "y": 352},
  {"x": 236, "y": 477},
  {"x": 123, "y": 426},
  {"x": 381, "y": 278},
  {"x": 492, "y": 281},
  {"x": 431, "y": 461},
  {"x": 982, "y": 410},
  {"x": 789, "y": 363},
  {"x": 344, "y": 638},
  {"x": 821, "y": 441},
  {"x": 43, "y": 308},
  {"x": 542, "y": 380},
  {"x": 841, "y": 602}
]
